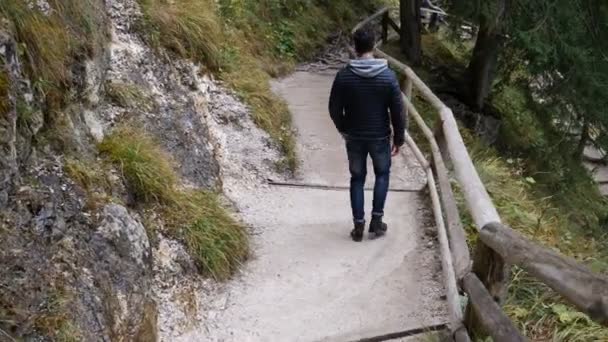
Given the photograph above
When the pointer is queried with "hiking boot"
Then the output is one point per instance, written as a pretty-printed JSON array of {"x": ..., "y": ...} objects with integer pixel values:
[
  {"x": 357, "y": 233},
  {"x": 377, "y": 228}
]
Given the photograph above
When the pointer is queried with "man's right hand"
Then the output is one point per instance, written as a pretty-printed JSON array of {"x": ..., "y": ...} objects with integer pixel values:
[{"x": 394, "y": 150}]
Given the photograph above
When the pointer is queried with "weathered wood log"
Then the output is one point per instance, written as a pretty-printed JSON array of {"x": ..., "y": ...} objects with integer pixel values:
[
  {"x": 417, "y": 82},
  {"x": 577, "y": 284},
  {"x": 491, "y": 268},
  {"x": 385, "y": 19},
  {"x": 478, "y": 200},
  {"x": 494, "y": 321},
  {"x": 371, "y": 18},
  {"x": 417, "y": 153},
  {"x": 443, "y": 147},
  {"x": 394, "y": 25},
  {"x": 407, "y": 91},
  {"x": 449, "y": 278},
  {"x": 456, "y": 316},
  {"x": 494, "y": 273},
  {"x": 458, "y": 240}
]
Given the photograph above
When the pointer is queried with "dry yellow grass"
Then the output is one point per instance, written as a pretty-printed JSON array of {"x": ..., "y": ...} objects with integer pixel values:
[
  {"x": 52, "y": 44},
  {"x": 189, "y": 28}
]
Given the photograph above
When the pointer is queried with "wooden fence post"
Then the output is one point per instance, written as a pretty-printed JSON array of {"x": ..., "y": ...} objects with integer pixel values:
[
  {"x": 440, "y": 138},
  {"x": 458, "y": 240},
  {"x": 407, "y": 91},
  {"x": 385, "y": 19},
  {"x": 494, "y": 273}
]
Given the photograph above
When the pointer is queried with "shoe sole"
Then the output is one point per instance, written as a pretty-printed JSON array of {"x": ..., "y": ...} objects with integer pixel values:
[{"x": 374, "y": 235}]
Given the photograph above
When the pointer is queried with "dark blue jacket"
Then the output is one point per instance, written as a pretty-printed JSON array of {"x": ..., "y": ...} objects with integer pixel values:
[{"x": 361, "y": 97}]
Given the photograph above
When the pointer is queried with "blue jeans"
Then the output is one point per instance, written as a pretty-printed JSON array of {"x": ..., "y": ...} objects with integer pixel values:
[{"x": 380, "y": 151}]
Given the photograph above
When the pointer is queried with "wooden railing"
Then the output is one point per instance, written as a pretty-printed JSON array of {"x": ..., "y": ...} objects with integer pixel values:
[{"x": 499, "y": 247}]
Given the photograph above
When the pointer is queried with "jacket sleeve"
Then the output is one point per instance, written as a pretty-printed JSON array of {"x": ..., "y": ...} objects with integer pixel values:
[
  {"x": 336, "y": 103},
  {"x": 398, "y": 115}
]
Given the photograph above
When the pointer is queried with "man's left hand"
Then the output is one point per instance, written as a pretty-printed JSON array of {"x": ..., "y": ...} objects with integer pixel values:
[{"x": 394, "y": 150}]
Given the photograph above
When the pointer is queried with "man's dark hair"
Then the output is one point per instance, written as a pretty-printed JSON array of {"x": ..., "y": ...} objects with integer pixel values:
[{"x": 365, "y": 39}]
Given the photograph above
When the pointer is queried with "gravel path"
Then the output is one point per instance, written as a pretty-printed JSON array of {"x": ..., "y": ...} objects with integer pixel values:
[{"x": 308, "y": 281}]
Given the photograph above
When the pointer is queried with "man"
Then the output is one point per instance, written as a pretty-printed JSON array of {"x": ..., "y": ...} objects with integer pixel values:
[{"x": 361, "y": 97}]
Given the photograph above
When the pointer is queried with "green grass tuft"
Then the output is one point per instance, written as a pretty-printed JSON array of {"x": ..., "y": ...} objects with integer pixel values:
[
  {"x": 145, "y": 166},
  {"x": 189, "y": 28},
  {"x": 216, "y": 241},
  {"x": 46, "y": 40}
]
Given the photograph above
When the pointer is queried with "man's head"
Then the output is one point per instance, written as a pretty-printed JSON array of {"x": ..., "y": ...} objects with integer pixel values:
[{"x": 365, "y": 39}]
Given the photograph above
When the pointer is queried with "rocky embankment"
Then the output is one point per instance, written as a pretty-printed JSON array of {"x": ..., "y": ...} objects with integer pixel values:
[{"x": 71, "y": 269}]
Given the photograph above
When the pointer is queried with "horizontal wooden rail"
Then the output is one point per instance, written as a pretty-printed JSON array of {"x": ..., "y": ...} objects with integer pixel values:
[
  {"x": 478, "y": 200},
  {"x": 381, "y": 12},
  {"x": 458, "y": 240},
  {"x": 577, "y": 284},
  {"x": 447, "y": 267}
]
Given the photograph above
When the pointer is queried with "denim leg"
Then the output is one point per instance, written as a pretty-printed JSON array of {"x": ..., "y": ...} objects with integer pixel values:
[
  {"x": 380, "y": 152},
  {"x": 357, "y": 164}
]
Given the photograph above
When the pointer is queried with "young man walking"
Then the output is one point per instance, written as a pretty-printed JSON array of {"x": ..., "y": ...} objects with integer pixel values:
[{"x": 363, "y": 94}]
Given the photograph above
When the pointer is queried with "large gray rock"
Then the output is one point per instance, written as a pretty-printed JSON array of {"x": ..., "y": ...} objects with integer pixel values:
[
  {"x": 126, "y": 235},
  {"x": 89, "y": 273},
  {"x": 123, "y": 252}
]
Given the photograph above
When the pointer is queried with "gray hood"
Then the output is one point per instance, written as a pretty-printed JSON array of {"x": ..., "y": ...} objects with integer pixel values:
[{"x": 368, "y": 68}]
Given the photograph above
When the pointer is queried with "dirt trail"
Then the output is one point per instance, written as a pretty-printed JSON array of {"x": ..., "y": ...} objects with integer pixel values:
[{"x": 308, "y": 281}]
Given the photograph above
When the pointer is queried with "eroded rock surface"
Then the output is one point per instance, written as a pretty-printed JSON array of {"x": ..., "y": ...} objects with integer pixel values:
[{"x": 84, "y": 268}]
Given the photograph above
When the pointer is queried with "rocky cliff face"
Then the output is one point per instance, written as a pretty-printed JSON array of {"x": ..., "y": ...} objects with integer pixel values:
[{"x": 71, "y": 269}]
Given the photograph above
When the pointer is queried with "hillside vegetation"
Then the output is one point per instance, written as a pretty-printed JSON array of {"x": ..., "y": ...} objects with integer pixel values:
[
  {"x": 537, "y": 189},
  {"x": 245, "y": 43}
]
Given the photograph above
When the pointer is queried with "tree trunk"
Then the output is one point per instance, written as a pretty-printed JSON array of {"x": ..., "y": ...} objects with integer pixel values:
[
  {"x": 482, "y": 67},
  {"x": 410, "y": 30}
]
